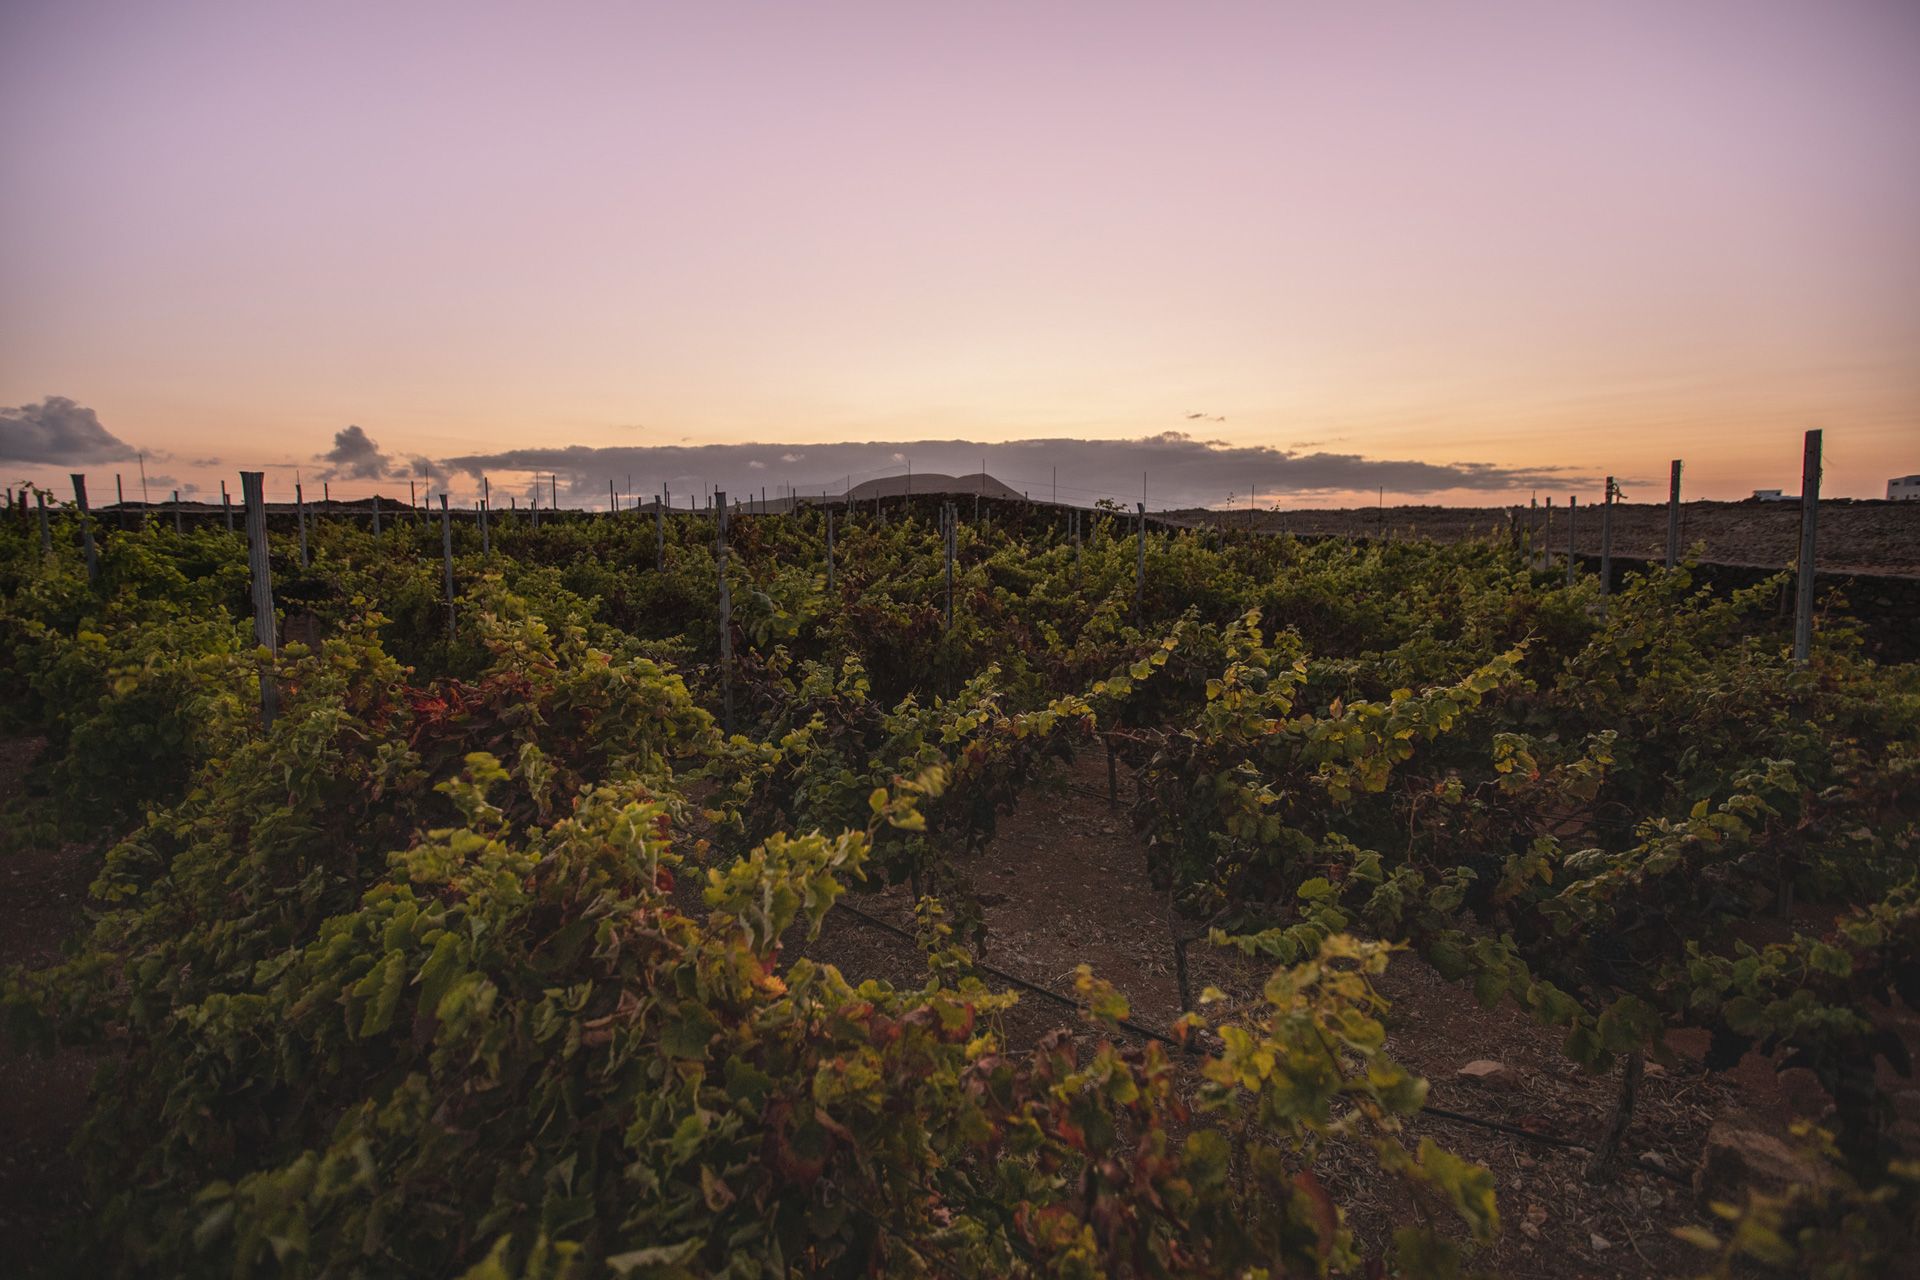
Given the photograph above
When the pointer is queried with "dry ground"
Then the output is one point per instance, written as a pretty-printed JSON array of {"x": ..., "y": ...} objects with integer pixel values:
[{"x": 1065, "y": 877}]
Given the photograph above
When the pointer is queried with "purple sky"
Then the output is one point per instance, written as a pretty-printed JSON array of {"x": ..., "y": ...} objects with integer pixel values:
[{"x": 1533, "y": 237}]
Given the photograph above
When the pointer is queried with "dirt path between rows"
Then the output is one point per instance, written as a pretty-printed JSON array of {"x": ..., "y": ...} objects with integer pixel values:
[{"x": 1065, "y": 880}]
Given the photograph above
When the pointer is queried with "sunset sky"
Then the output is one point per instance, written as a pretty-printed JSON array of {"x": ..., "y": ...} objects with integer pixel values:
[{"x": 1460, "y": 250}]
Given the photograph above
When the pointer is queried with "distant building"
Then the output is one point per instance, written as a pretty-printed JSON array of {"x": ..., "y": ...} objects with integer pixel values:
[{"x": 1904, "y": 489}]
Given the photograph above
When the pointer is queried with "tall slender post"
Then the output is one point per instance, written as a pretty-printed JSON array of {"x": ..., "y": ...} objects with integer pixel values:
[
  {"x": 176, "y": 512},
  {"x": 613, "y": 499},
  {"x": 1546, "y": 538},
  {"x": 1606, "y": 541},
  {"x": 660, "y": 533},
  {"x": 1673, "y": 516},
  {"x": 413, "y": 499},
  {"x": 300, "y": 511},
  {"x": 726, "y": 610},
  {"x": 376, "y": 515},
  {"x": 46, "y": 529},
  {"x": 86, "y": 528},
  {"x": 1809, "y": 517},
  {"x": 1140, "y": 568},
  {"x": 226, "y": 505},
  {"x": 947, "y": 518},
  {"x": 554, "y": 478},
  {"x": 1573, "y": 513},
  {"x": 829, "y": 548},
  {"x": 486, "y": 527},
  {"x": 260, "y": 566},
  {"x": 120, "y": 499},
  {"x": 446, "y": 559}
]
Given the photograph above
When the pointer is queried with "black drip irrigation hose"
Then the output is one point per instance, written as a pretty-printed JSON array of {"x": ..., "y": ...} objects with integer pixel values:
[
  {"x": 1009, "y": 978},
  {"x": 1439, "y": 1113}
]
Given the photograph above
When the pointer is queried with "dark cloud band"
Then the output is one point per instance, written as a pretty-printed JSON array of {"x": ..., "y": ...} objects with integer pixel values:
[
  {"x": 1179, "y": 469},
  {"x": 57, "y": 431}
]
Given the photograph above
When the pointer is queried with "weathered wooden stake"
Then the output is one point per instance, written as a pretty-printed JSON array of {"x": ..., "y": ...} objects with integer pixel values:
[
  {"x": 947, "y": 519},
  {"x": 376, "y": 515},
  {"x": 1673, "y": 516},
  {"x": 1140, "y": 568},
  {"x": 446, "y": 559},
  {"x": 726, "y": 610},
  {"x": 829, "y": 548},
  {"x": 226, "y": 505},
  {"x": 486, "y": 529},
  {"x": 1809, "y": 517},
  {"x": 1573, "y": 513},
  {"x": 1606, "y": 541},
  {"x": 300, "y": 510},
  {"x": 660, "y": 533},
  {"x": 46, "y": 528},
  {"x": 176, "y": 512},
  {"x": 86, "y": 527},
  {"x": 260, "y": 566}
]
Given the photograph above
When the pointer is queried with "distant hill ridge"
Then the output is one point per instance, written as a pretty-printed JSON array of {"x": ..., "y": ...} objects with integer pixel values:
[{"x": 931, "y": 483}]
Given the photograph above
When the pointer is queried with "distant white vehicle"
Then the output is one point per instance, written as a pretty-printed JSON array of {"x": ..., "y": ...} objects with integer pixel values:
[
  {"x": 1771, "y": 495},
  {"x": 1903, "y": 489}
]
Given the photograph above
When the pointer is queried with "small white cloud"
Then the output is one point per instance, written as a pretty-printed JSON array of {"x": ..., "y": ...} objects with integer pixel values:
[{"x": 757, "y": 465}]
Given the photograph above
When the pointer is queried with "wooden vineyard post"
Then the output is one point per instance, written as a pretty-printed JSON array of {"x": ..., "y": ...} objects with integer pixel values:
[
  {"x": 947, "y": 519},
  {"x": 1809, "y": 517},
  {"x": 486, "y": 529},
  {"x": 1606, "y": 541},
  {"x": 726, "y": 610},
  {"x": 1673, "y": 515},
  {"x": 1573, "y": 512},
  {"x": 446, "y": 559},
  {"x": 86, "y": 528},
  {"x": 300, "y": 510},
  {"x": 1546, "y": 537},
  {"x": 660, "y": 534},
  {"x": 1140, "y": 566},
  {"x": 260, "y": 566},
  {"x": 46, "y": 529},
  {"x": 120, "y": 500},
  {"x": 829, "y": 548},
  {"x": 376, "y": 515},
  {"x": 226, "y": 505},
  {"x": 177, "y": 527}
]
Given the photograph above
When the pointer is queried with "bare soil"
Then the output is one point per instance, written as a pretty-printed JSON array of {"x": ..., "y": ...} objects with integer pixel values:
[
  {"x": 1866, "y": 537},
  {"x": 1065, "y": 881}
]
